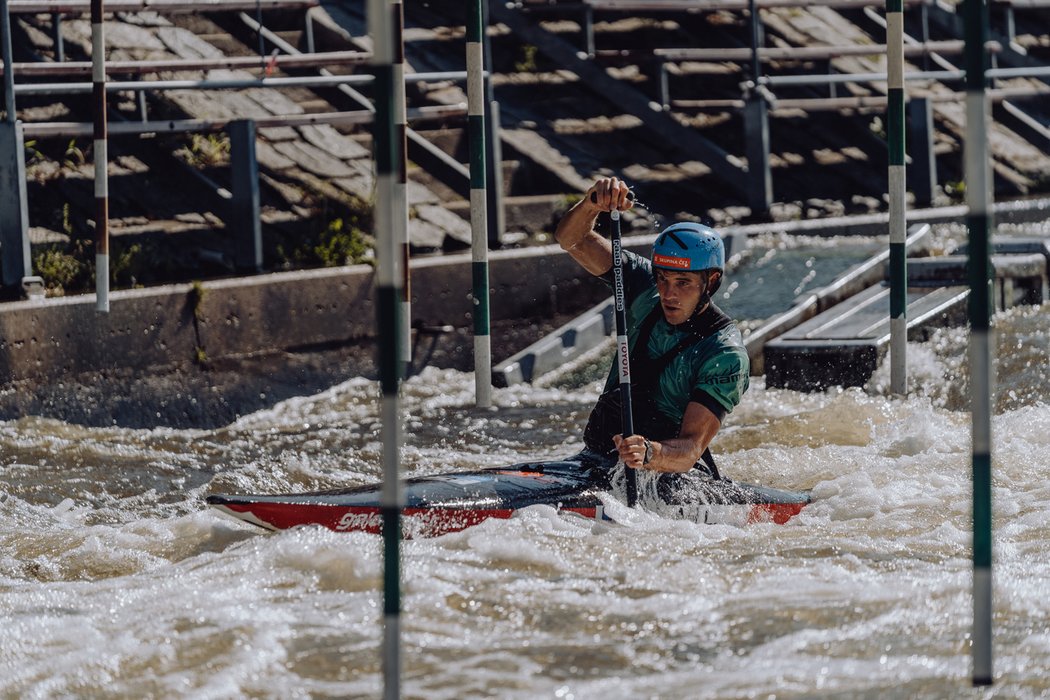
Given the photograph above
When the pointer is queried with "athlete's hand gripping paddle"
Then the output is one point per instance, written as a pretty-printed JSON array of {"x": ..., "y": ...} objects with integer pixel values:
[{"x": 623, "y": 351}]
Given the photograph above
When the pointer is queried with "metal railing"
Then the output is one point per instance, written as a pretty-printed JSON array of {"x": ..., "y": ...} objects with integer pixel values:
[{"x": 15, "y": 229}]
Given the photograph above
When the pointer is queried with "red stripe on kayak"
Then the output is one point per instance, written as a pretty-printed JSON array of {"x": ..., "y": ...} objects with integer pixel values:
[
  {"x": 419, "y": 522},
  {"x": 778, "y": 513},
  {"x": 431, "y": 522}
]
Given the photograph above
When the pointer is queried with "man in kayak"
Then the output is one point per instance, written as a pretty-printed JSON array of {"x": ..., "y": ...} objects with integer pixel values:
[{"x": 689, "y": 367}]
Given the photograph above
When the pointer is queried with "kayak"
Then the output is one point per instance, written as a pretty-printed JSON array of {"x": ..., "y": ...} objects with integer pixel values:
[{"x": 442, "y": 503}]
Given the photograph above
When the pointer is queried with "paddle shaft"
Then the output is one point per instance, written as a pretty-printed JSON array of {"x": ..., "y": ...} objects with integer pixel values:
[{"x": 623, "y": 350}]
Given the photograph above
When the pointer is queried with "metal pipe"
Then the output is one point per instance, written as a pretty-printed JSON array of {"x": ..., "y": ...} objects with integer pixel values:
[
  {"x": 941, "y": 75},
  {"x": 308, "y": 31},
  {"x": 75, "y": 7},
  {"x": 258, "y": 18},
  {"x": 101, "y": 156},
  {"x": 978, "y": 175},
  {"x": 756, "y": 30},
  {"x": 329, "y": 58},
  {"x": 795, "y": 53},
  {"x": 6, "y": 51},
  {"x": 897, "y": 178},
  {"x": 478, "y": 206},
  {"x": 811, "y": 104},
  {"x": 79, "y": 129},
  {"x": 1024, "y": 72},
  {"x": 234, "y": 84}
]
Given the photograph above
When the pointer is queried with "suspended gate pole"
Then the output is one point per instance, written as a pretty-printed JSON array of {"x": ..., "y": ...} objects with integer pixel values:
[
  {"x": 897, "y": 191},
  {"x": 98, "y": 85},
  {"x": 401, "y": 184},
  {"x": 982, "y": 377},
  {"x": 478, "y": 206},
  {"x": 389, "y": 156},
  {"x": 494, "y": 148}
]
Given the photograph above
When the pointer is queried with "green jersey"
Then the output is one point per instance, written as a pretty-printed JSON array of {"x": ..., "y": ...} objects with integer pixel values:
[{"x": 713, "y": 371}]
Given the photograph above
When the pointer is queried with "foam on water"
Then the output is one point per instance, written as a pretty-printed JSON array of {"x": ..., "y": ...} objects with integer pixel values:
[{"x": 116, "y": 582}]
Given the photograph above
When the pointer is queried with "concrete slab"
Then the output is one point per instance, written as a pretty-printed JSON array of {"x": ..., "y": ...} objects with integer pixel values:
[
  {"x": 565, "y": 344},
  {"x": 843, "y": 345}
]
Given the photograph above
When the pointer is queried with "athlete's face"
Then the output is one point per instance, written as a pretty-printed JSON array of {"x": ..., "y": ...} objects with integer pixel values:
[{"x": 680, "y": 293}]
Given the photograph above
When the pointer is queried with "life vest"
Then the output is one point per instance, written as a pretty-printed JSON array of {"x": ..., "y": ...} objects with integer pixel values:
[{"x": 606, "y": 419}]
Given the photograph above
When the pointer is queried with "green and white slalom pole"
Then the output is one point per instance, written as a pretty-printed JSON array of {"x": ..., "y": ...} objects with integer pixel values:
[
  {"x": 101, "y": 154},
  {"x": 897, "y": 193},
  {"x": 978, "y": 175},
  {"x": 401, "y": 183},
  {"x": 478, "y": 206},
  {"x": 389, "y": 156}
]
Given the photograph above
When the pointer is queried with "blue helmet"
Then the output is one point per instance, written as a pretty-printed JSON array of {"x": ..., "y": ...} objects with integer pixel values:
[{"x": 690, "y": 247}]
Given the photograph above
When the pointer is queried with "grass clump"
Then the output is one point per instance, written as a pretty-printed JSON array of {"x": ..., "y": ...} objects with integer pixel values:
[{"x": 61, "y": 271}]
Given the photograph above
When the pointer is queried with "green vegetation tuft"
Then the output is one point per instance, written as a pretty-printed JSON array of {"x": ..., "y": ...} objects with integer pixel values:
[
  {"x": 61, "y": 271},
  {"x": 126, "y": 264},
  {"x": 340, "y": 242},
  {"x": 67, "y": 220},
  {"x": 73, "y": 158},
  {"x": 33, "y": 154},
  {"x": 207, "y": 150},
  {"x": 955, "y": 190},
  {"x": 341, "y": 245},
  {"x": 196, "y": 299},
  {"x": 528, "y": 63}
]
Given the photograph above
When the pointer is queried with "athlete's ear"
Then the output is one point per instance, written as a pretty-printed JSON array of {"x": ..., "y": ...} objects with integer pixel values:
[{"x": 713, "y": 276}]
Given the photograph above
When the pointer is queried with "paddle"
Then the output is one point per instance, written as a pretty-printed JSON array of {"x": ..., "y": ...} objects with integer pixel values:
[{"x": 623, "y": 353}]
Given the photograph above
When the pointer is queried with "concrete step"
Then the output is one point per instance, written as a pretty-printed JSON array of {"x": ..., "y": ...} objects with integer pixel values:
[
  {"x": 843, "y": 345},
  {"x": 565, "y": 344}
]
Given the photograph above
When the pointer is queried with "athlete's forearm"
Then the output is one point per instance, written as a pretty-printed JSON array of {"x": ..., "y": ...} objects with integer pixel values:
[
  {"x": 576, "y": 235},
  {"x": 699, "y": 427},
  {"x": 577, "y": 224},
  {"x": 677, "y": 455},
  {"x": 674, "y": 455}
]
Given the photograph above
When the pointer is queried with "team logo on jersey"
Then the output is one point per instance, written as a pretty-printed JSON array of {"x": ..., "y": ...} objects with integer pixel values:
[{"x": 724, "y": 379}]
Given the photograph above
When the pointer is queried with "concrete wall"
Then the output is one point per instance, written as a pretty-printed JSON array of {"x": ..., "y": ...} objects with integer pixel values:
[{"x": 264, "y": 313}]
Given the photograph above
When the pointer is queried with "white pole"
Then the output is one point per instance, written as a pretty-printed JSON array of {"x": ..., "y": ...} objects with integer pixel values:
[
  {"x": 389, "y": 158},
  {"x": 478, "y": 207},
  {"x": 897, "y": 191},
  {"x": 982, "y": 374},
  {"x": 401, "y": 182},
  {"x": 101, "y": 141}
]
